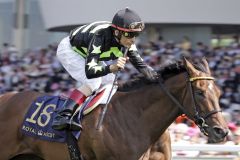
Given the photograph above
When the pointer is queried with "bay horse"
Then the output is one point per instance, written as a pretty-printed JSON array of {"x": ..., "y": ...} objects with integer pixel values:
[{"x": 135, "y": 119}]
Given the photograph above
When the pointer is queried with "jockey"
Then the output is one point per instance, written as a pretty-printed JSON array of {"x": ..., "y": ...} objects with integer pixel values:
[{"x": 83, "y": 54}]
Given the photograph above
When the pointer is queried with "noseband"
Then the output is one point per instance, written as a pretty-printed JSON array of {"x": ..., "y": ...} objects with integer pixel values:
[{"x": 199, "y": 120}]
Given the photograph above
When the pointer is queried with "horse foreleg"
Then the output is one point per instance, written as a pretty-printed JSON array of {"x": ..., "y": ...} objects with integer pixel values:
[
  {"x": 160, "y": 150},
  {"x": 151, "y": 154}
]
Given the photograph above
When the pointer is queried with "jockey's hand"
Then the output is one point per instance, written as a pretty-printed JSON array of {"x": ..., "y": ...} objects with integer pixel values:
[
  {"x": 151, "y": 75},
  {"x": 119, "y": 65}
]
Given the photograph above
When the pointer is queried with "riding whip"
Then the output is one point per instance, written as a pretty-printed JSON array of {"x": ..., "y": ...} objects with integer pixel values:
[{"x": 106, "y": 106}]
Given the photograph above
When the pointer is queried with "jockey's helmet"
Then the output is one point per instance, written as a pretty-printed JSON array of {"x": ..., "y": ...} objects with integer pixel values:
[{"x": 127, "y": 20}]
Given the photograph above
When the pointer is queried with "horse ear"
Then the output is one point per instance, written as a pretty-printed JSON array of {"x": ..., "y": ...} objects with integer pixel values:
[
  {"x": 205, "y": 63},
  {"x": 190, "y": 68}
]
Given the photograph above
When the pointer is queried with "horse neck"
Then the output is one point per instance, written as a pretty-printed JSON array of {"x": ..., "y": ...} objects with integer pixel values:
[{"x": 143, "y": 114}]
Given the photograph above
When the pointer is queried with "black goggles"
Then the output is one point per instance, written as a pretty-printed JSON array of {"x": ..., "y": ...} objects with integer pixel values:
[{"x": 130, "y": 34}]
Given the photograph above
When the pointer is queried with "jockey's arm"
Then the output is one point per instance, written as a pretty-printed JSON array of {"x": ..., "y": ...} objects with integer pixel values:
[{"x": 140, "y": 65}]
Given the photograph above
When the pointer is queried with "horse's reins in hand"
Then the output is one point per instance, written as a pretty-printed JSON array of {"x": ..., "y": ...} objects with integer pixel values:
[{"x": 100, "y": 121}]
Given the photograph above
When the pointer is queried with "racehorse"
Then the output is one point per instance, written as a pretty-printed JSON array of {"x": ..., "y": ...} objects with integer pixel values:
[{"x": 134, "y": 121}]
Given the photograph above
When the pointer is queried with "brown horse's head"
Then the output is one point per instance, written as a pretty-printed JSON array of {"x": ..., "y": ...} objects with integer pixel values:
[{"x": 204, "y": 104}]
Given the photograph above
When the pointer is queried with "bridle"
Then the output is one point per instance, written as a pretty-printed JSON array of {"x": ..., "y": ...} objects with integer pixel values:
[{"x": 200, "y": 120}]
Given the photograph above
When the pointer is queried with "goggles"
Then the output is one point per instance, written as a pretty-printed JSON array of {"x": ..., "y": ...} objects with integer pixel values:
[
  {"x": 130, "y": 34},
  {"x": 136, "y": 26}
]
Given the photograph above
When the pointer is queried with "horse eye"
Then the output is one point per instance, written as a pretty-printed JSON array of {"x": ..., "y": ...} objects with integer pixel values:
[{"x": 199, "y": 93}]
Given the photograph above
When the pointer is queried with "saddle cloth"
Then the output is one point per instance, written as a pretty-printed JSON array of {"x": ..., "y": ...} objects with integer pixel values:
[{"x": 38, "y": 120}]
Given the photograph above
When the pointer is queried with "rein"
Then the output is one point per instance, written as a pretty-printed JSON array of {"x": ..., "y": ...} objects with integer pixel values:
[{"x": 199, "y": 120}]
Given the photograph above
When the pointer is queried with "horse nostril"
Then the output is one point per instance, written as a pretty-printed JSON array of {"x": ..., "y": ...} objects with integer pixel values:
[{"x": 220, "y": 131}]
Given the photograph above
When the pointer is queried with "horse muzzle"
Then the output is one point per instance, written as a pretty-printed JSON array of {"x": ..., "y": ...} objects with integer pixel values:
[{"x": 216, "y": 134}]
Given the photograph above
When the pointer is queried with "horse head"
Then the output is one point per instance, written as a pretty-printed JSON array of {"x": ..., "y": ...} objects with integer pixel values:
[{"x": 202, "y": 104}]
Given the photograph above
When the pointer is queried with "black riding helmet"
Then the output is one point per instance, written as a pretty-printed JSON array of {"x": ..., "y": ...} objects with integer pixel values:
[{"x": 128, "y": 21}]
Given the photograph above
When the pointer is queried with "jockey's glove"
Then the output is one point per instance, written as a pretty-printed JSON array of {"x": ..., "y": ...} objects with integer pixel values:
[{"x": 150, "y": 74}]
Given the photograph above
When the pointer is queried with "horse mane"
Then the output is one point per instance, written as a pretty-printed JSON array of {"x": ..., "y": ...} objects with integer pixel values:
[
  {"x": 171, "y": 70},
  {"x": 166, "y": 72}
]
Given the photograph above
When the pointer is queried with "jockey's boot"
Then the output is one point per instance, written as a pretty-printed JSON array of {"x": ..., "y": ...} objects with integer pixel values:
[{"x": 62, "y": 121}]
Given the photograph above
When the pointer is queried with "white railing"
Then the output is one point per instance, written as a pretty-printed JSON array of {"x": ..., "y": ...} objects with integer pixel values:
[
  {"x": 206, "y": 147},
  {"x": 230, "y": 152}
]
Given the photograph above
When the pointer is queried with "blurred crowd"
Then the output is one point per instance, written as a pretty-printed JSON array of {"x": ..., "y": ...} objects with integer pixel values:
[{"x": 38, "y": 69}]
